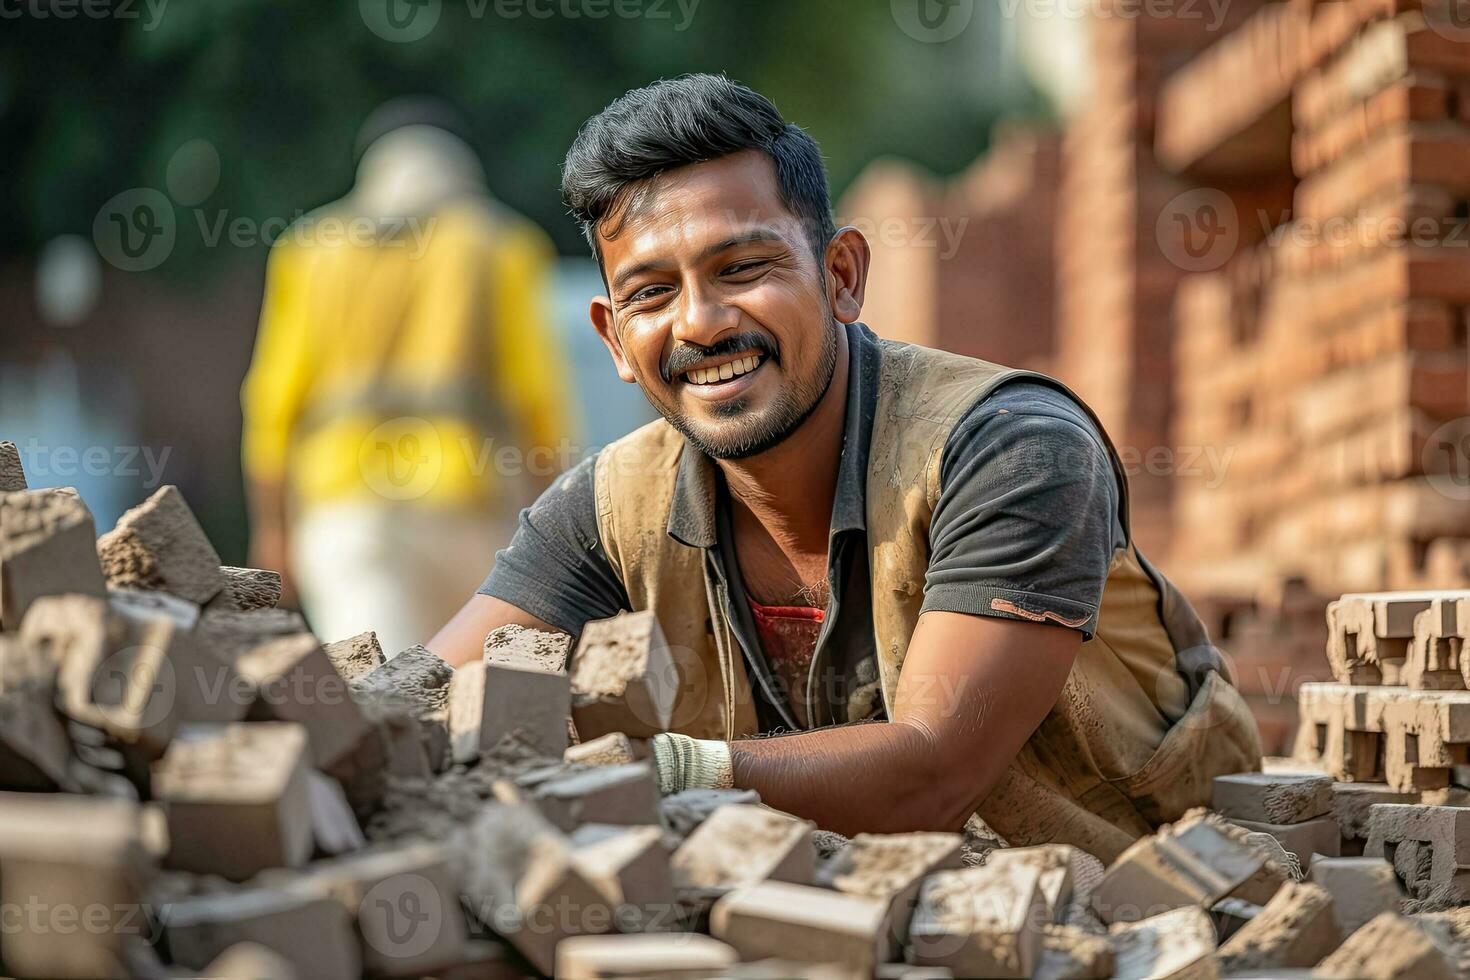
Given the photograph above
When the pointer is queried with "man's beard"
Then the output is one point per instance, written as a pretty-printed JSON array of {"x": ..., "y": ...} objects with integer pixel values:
[{"x": 790, "y": 409}]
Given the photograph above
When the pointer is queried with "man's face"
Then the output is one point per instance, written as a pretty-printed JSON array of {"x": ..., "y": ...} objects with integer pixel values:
[{"x": 719, "y": 308}]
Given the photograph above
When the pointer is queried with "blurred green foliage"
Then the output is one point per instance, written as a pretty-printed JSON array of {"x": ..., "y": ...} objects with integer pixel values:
[{"x": 91, "y": 106}]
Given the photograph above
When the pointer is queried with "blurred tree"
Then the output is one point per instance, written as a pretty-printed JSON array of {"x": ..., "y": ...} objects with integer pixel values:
[{"x": 92, "y": 106}]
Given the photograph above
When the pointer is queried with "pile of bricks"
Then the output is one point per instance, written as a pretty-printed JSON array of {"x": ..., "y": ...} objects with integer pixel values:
[
  {"x": 1393, "y": 730},
  {"x": 1331, "y": 357}
]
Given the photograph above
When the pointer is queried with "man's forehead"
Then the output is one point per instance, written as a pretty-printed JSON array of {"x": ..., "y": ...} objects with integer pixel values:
[{"x": 701, "y": 206}]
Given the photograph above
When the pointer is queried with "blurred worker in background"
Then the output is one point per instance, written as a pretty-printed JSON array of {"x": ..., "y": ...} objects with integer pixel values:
[{"x": 406, "y": 394}]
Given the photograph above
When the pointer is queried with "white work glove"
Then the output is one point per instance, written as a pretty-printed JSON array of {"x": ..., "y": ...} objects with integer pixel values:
[{"x": 684, "y": 763}]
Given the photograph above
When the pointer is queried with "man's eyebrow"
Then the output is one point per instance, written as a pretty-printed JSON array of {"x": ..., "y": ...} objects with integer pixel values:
[{"x": 742, "y": 238}]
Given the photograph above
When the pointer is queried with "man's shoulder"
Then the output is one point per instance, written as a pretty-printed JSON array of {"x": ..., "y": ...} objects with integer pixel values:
[{"x": 1031, "y": 414}]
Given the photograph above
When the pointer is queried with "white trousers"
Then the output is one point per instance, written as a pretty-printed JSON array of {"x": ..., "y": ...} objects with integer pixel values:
[{"x": 400, "y": 571}]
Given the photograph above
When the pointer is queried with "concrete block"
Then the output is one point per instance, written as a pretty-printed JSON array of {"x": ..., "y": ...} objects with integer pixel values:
[
  {"x": 147, "y": 605},
  {"x": 1388, "y": 947},
  {"x": 669, "y": 955},
  {"x": 250, "y": 961},
  {"x": 35, "y": 752},
  {"x": 1294, "y": 930},
  {"x": 1362, "y": 888},
  {"x": 1174, "y": 945},
  {"x": 248, "y": 588},
  {"x": 357, "y": 656},
  {"x": 1341, "y": 729},
  {"x": 231, "y": 633},
  {"x": 1319, "y": 836},
  {"x": 803, "y": 923},
  {"x": 980, "y": 922},
  {"x": 73, "y": 872},
  {"x": 520, "y": 877},
  {"x": 1055, "y": 862},
  {"x": 1351, "y": 803},
  {"x": 682, "y": 812},
  {"x": 47, "y": 547},
  {"x": 1443, "y": 830},
  {"x": 625, "y": 795},
  {"x": 295, "y": 681},
  {"x": 1368, "y": 635},
  {"x": 741, "y": 844},
  {"x": 623, "y": 678},
  {"x": 1197, "y": 861},
  {"x": 135, "y": 678},
  {"x": 612, "y": 749},
  {"x": 237, "y": 798},
  {"x": 12, "y": 474},
  {"x": 631, "y": 865},
  {"x": 466, "y": 712},
  {"x": 1425, "y": 736},
  {"x": 542, "y": 649},
  {"x": 1273, "y": 798},
  {"x": 527, "y": 690},
  {"x": 160, "y": 545},
  {"x": 420, "y": 679},
  {"x": 311, "y": 933},
  {"x": 1435, "y": 651},
  {"x": 890, "y": 868},
  {"x": 405, "y": 901},
  {"x": 334, "y": 827},
  {"x": 1073, "y": 953}
]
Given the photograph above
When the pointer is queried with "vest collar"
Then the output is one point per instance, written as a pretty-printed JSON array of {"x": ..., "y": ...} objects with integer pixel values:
[{"x": 693, "y": 515}]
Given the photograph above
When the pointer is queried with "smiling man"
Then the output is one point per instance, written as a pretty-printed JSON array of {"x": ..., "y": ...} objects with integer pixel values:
[{"x": 913, "y": 567}]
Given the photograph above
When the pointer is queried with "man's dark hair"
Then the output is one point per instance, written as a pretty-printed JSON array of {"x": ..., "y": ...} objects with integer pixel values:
[{"x": 679, "y": 121}]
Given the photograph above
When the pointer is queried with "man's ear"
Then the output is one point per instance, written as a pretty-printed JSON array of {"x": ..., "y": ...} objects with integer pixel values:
[
  {"x": 848, "y": 257},
  {"x": 601, "y": 313}
]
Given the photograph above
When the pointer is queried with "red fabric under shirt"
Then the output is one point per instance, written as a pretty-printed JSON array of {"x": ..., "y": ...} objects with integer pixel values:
[{"x": 789, "y": 639}]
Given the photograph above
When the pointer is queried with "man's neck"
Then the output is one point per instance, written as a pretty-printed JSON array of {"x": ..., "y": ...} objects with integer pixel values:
[{"x": 789, "y": 488}]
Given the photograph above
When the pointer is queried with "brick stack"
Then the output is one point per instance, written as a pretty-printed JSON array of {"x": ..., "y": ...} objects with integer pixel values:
[
  {"x": 965, "y": 265},
  {"x": 1115, "y": 283},
  {"x": 1331, "y": 359},
  {"x": 1393, "y": 730}
]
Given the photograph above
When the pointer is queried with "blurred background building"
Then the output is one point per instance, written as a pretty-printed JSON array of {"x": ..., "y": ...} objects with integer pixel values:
[{"x": 1235, "y": 227}]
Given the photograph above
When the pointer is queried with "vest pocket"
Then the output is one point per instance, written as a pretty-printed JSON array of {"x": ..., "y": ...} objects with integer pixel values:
[{"x": 1217, "y": 735}]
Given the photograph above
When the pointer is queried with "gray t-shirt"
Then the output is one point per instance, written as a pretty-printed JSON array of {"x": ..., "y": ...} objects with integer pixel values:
[{"x": 1026, "y": 523}]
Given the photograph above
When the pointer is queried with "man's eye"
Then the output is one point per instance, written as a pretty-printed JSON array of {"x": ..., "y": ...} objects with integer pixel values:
[
  {"x": 740, "y": 267},
  {"x": 647, "y": 292}
]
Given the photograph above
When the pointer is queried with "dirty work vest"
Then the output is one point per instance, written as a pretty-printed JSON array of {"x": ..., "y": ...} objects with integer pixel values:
[{"x": 1148, "y": 716}]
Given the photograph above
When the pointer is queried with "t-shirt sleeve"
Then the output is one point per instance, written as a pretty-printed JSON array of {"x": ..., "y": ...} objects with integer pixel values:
[
  {"x": 555, "y": 567},
  {"x": 1027, "y": 517}
]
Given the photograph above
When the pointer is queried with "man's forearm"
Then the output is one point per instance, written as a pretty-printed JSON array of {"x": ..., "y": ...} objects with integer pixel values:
[{"x": 885, "y": 777}]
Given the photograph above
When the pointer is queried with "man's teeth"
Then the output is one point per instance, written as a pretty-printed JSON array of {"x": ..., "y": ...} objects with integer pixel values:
[{"x": 723, "y": 372}]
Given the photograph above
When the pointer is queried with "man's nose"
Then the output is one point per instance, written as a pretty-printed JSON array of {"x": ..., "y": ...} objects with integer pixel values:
[{"x": 705, "y": 317}]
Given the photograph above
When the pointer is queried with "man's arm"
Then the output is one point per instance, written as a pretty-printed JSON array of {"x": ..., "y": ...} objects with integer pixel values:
[
  {"x": 972, "y": 691},
  {"x": 553, "y": 576}
]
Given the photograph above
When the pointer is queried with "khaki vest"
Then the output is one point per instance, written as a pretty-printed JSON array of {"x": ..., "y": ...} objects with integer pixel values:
[{"x": 1148, "y": 716}]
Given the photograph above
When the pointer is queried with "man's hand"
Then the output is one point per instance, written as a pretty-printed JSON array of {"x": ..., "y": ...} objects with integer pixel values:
[{"x": 972, "y": 690}]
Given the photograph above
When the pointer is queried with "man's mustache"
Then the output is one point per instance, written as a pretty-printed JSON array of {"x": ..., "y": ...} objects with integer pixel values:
[{"x": 686, "y": 355}]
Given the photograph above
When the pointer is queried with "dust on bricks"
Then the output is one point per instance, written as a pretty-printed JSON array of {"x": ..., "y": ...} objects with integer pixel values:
[
  {"x": 357, "y": 656},
  {"x": 248, "y": 588},
  {"x": 612, "y": 749},
  {"x": 631, "y": 866},
  {"x": 1294, "y": 930},
  {"x": 980, "y": 922},
  {"x": 526, "y": 691},
  {"x": 1361, "y": 887},
  {"x": 741, "y": 844},
  {"x": 160, "y": 545},
  {"x": 1174, "y": 945},
  {"x": 419, "y": 679},
  {"x": 623, "y": 677},
  {"x": 311, "y": 932},
  {"x": 890, "y": 868},
  {"x": 1273, "y": 797},
  {"x": 12, "y": 475},
  {"x": 801, "y": 922},
  {"x": 47, "y": 547},
  {"x": 672, "y": 955}
]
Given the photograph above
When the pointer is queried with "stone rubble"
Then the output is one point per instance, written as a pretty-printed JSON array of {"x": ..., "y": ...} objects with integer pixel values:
[{"x": 239, "y": 799}]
